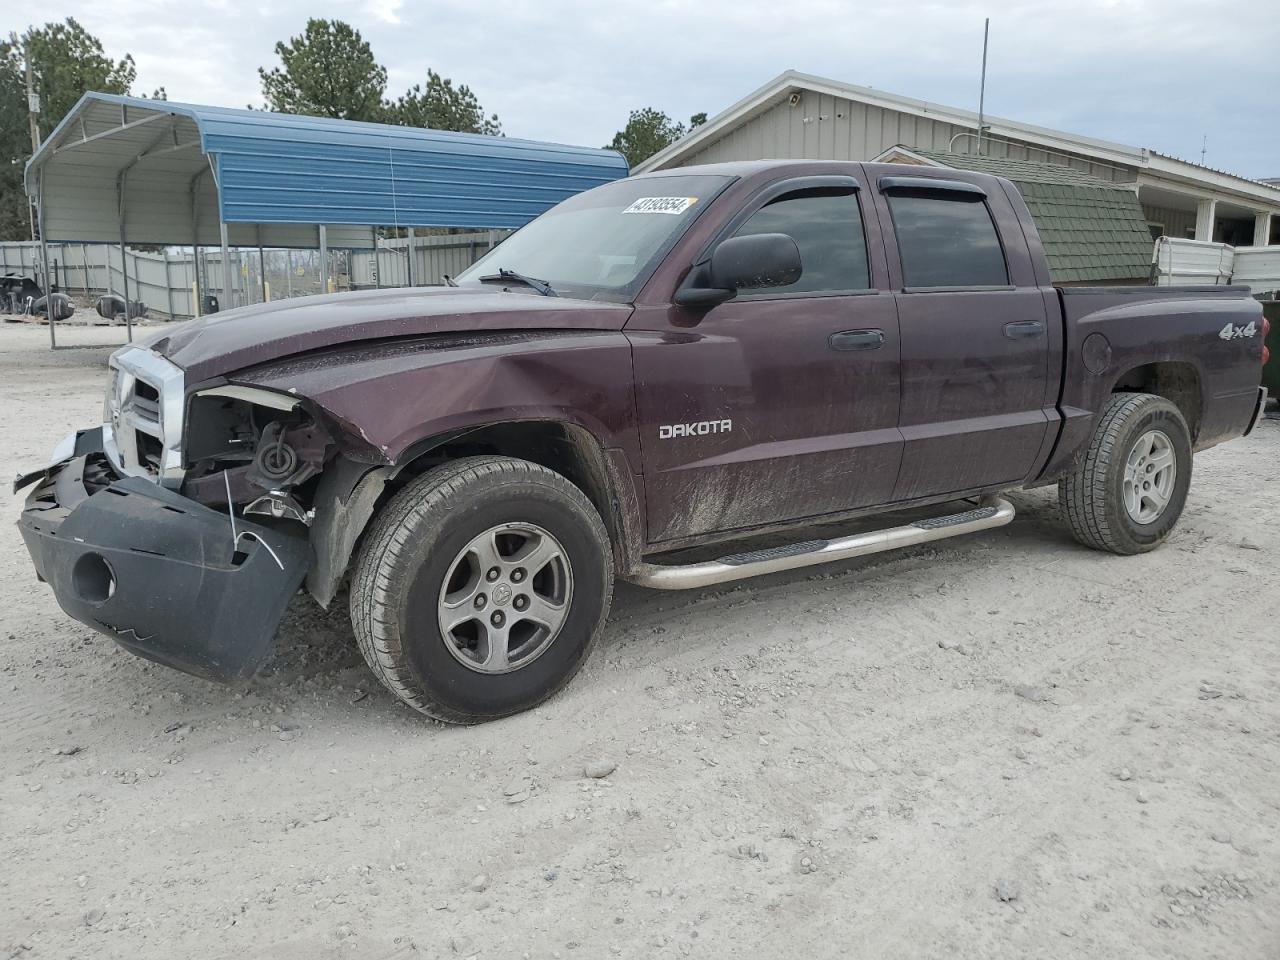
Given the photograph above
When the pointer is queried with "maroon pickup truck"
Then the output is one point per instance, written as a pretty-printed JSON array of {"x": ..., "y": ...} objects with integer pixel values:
[{"x": 693, "y": 364}]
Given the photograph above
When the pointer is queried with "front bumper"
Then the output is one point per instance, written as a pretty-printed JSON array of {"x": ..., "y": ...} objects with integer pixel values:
[{"x": 158, "y": 573}]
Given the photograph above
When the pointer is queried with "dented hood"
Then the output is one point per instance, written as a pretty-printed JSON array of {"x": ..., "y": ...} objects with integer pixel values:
[{"x": 225, "y": 342}]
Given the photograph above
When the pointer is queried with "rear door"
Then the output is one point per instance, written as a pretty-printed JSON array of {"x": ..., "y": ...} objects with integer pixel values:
[
  {"x": 975, "y": 335},
  {"x": 782, "y": 403}
]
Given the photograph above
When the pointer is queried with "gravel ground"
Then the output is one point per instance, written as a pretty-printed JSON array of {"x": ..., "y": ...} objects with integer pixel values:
[{"x": 1002, "y": 746}]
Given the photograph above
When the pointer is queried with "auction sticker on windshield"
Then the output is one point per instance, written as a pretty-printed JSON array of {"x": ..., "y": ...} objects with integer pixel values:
[{"x": 673, "y": 205}]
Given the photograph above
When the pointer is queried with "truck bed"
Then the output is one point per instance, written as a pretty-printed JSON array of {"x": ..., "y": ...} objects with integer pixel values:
[{"x": 1200, "y": 336}]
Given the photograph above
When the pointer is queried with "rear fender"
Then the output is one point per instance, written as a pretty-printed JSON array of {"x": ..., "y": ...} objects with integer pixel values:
[{"x": 1114, "y": 331}]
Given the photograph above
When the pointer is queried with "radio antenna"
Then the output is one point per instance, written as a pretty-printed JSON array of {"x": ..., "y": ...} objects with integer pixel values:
[{"x": 982, "y": 86}]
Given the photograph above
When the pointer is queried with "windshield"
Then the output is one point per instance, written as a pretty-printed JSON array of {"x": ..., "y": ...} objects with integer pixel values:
[{"x": 604, "y": 243}]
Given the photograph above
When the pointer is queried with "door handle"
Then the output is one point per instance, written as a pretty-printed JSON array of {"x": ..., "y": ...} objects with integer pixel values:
[
  {"x": 871, "y": 339},
  {"x": 1022, "y": 329}
]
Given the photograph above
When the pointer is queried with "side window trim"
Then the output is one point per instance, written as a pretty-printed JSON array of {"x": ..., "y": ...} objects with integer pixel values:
[
  {"x": 973, "y": 288},
  {"x": 928, "y": 185},
  {"x": 939, "y": 190},
  {"x": 773, "y": 192},
  {"x": 806, "y": 294}
]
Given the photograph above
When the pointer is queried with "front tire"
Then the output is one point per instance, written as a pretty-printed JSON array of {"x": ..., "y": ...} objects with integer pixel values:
[
  {"x": 1127, "y": 492},
  {"x": 481, "y": 588}
]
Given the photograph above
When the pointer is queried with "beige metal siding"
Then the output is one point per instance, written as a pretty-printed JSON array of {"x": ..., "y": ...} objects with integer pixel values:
[
  {"x": 823, "y": 127},
  {"x": 1176, "y": 222}
]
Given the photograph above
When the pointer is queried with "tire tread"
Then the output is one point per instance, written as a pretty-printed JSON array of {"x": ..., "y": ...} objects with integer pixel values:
[
  {"x": 381, "y": 567},
  {"x": 1083, "y": 493}
]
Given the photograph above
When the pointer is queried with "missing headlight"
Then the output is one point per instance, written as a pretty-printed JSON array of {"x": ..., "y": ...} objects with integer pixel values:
[{"x": 253, "y": 448}]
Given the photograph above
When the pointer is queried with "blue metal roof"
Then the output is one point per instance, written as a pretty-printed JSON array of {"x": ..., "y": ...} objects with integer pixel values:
[{"x": 274, "y": 168}]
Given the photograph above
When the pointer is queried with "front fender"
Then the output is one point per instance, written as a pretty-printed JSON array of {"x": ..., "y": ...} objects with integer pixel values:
[
  {"x": 391, "y": 396},
  {"x": 388, "y": 403}
]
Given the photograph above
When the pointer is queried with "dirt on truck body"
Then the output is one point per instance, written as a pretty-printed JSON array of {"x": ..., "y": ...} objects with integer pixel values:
[{"x": 642, "y": 383}]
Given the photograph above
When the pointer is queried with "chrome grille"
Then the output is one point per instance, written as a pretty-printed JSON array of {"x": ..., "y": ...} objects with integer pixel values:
[
  {"x": 146, "y": 401},
  {"x": 142, "y": 428}
]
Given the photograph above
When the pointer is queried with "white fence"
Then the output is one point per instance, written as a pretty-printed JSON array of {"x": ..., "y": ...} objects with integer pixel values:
[
  {"x": 435, "y": 257},
  {"x": 1180, "y": 261},
  {"x": 1258, "y": 268},
  {"x": 161, "y": 280},
  {"x": 164, "y": 280}
]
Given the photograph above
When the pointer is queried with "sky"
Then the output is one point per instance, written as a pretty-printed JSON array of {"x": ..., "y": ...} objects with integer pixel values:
[{"x": 1164, "y": 74}]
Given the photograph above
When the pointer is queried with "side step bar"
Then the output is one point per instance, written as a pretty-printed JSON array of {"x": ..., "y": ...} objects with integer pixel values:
[{"x": 991, "y": 512}]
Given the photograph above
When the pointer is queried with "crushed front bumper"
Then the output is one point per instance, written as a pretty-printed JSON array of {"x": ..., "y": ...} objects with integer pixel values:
[{"x": 158, "y": 573}]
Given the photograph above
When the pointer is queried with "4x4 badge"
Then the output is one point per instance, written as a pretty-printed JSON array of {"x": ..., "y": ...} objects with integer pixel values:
[{"x": 1232, "y": 332}]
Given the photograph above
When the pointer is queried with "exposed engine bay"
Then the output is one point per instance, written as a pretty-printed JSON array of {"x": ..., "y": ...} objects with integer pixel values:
[{"x": 266, "y": 458}]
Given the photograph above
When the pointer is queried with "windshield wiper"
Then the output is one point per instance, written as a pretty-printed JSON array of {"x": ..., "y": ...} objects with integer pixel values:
[{"x": 503, "y": 273}]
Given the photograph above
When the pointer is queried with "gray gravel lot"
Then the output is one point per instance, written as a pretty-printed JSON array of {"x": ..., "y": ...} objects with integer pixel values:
[{"x": 1001, "y": 746}]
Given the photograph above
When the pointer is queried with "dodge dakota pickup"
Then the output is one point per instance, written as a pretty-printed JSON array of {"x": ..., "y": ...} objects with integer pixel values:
[{"x": 678, "y": 379}]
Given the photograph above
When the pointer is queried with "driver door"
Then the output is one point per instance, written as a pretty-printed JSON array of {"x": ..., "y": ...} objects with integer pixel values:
[{"x": 782, "y": 403}]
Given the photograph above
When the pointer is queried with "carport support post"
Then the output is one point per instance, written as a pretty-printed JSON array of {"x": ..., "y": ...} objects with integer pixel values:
[
  {"x": 197, "y": 307},
  {"x": 124, "y": 280},
  {"x": 44, "y": 255},
  {"x": 413, "y": 280},
  {"x": 124, "y": 260},
  {"x": 262, "y": 273},
  {"x": 168, "y": 282},
  {"x": 226, "y": 268},
  {"x": 324, "y": 260}
]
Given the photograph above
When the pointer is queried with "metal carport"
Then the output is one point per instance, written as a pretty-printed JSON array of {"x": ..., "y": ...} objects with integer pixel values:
[{"x": 127, "y": 170}]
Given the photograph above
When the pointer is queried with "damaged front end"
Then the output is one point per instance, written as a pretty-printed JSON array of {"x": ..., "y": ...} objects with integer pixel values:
[
  {"x": 163, "y": 576},
  {"x": 256, "y": 449},
  {"x": 180, "y": 530}
]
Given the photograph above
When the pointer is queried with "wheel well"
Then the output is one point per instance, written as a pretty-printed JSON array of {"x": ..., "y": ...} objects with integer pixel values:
[
  {"x": 1178, "y": 383},
  {"x": 569, "y": 450}
]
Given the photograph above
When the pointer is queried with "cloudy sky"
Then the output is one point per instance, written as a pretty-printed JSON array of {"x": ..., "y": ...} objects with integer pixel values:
[{"x": 1155, "y": 73}]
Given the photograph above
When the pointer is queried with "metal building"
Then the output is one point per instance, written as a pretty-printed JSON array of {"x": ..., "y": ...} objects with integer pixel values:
[
  {"x": 129, "y": 170},
  {"x": 799, "y": 116}
]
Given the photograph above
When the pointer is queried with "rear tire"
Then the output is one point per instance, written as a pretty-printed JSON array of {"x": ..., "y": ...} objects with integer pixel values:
[
  {"x": 448, "y": 615},
  {"x": 1127, "y": 492}
]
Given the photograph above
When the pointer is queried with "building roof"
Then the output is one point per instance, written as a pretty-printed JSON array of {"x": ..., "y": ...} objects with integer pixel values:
[
  {"x": 1019, "y": 171},
  {"x": 270, "y": 168},
  {"x": 1053, "y": 141},
  {"x": 1092, "y": 229}
]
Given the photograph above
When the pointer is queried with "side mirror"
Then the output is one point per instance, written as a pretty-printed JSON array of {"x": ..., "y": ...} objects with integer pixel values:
[
  {"x": 752, "y": 262},
  {"x": 746, "y": 263}
]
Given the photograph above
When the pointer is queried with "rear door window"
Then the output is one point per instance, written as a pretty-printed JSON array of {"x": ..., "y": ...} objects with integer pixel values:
[{"x": 947, "y": 242}]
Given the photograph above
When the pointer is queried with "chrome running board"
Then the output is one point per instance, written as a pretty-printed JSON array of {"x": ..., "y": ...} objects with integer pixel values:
[{"x": 991, "y": 512}]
